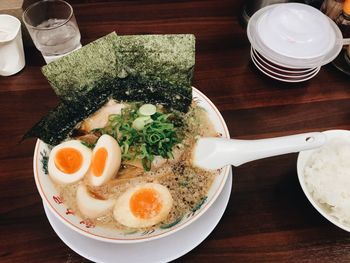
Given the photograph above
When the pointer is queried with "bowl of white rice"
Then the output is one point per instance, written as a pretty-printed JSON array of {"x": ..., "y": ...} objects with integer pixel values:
[{"x": 324, "y": 175}]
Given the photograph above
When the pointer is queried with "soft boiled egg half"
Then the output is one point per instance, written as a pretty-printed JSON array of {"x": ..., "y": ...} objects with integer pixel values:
[
  {"x": 91, "y": 205},
  {"x": 143, "y": 206},
  {"x": 69, "y": 162},
  {"x": 106, "y": 159}
]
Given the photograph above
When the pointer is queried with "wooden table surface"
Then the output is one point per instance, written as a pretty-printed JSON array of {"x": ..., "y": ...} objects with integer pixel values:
[{"x": 268, "y": 218}]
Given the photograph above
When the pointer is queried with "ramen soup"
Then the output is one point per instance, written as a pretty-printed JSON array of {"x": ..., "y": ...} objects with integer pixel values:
[{"x": 128, "y": 166}]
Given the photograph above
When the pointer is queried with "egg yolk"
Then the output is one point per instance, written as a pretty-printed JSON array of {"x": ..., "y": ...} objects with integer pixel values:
[
  {"x": 68, "y": 160},
  {"x": 145, "y": 203},
  {"x": 99, "y": 161}
]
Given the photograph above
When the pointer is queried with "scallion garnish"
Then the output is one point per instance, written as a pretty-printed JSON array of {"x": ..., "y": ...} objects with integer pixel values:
[{"x": 142, "y": 137}]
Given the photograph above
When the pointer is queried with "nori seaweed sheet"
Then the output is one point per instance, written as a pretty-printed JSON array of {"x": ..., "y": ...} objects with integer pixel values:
[
  {"x": 147, "y": 68},
  {"x": 77, "y": 73},
  {"x": 155, "y": 59},
  {"x": 139, "y": 88},
  {"x": 160, "y": 59},
  {"x": 58, "y": 124}
]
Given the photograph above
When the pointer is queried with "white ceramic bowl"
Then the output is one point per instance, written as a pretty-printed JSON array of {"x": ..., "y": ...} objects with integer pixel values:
[
  {"x": 296, "y": 30},
  {"x": 269, "y": 43},
  {"x": 50, "y": 195},
  {"x": 301, "y": 163}
]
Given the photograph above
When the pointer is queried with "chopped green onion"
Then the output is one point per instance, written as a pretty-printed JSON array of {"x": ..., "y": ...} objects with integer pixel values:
[
  {"x": 144, "y": 137},
  {"x": 140, "y": 122},
  {"x": 147, "y": 110}
]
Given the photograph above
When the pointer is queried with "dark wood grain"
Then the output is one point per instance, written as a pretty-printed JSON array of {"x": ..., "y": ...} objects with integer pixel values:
[{"x": 268, "y": 218}]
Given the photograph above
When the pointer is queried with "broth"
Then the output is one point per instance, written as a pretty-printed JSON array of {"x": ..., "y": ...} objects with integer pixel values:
[{"x": 188, "y": 185}]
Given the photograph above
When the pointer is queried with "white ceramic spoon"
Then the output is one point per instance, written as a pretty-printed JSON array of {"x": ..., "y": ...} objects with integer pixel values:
[{"x": 214, "y": 153}]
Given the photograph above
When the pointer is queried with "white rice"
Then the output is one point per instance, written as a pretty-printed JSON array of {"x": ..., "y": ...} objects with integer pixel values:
[{"x": 327, "y": 176}]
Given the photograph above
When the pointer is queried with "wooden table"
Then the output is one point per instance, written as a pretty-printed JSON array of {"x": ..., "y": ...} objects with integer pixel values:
[{"x": 268, "y": 218}]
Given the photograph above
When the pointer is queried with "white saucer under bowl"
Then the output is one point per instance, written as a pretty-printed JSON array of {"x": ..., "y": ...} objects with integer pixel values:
[
  {"x": 283, "y": 79},
  {"x": 270, "y": 70},
  {"x": 160, "y": 250},
  {"x": 278, "y": 68},
  {"x": 265, "y": 69}
]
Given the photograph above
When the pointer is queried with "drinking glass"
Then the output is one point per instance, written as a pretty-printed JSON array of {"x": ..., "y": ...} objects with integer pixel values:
[{"x": 53, "y": 28}]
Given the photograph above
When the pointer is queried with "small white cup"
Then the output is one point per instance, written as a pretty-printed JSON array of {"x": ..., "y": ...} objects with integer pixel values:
[{"x": 11, "y": 46}]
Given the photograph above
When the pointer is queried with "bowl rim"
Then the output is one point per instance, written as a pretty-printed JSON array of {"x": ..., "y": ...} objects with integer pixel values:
[
  {"x": 303, "y": 157},
  {"x": 225, "y": 171}
]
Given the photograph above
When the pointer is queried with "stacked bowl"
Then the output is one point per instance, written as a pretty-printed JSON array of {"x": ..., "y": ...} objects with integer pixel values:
[{"x": 291, "y": 41}]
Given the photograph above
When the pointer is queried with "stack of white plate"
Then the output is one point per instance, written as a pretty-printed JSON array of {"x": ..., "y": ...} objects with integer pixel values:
[{"x": 291, "y": 41}]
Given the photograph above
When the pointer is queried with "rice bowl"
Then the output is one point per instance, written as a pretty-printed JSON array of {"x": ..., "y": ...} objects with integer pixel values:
[{"x": 324, "y": 175}]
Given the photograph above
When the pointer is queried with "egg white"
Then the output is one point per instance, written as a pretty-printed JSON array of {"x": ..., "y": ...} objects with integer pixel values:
[
  {"x": 59, "y": 176},
  {"x": 90, "y": 206},
  {"x": 112, "y": 163},
  {"x": 123, "y": 214}
]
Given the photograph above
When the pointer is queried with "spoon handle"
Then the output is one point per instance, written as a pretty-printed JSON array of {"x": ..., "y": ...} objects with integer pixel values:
[{"x": 214, "y": 153}]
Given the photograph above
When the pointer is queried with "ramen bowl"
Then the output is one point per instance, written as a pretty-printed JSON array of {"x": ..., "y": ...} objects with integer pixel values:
[{"x": 51, "y": 196}]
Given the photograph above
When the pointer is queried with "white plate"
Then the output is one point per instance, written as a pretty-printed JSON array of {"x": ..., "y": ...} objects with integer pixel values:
[
  {"x": 279, "y": 68},
  {"x": 280, "y": 78},
  {"x": 159, "y": 250},
  {"x": 292, "y": 77}
]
